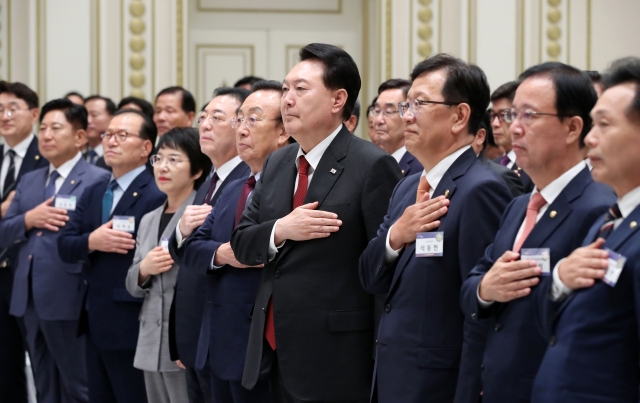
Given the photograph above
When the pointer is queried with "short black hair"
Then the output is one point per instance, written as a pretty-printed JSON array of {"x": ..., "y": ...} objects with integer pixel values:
[
  {"x": 188, "y": 101},
  {"x": 506, "y": 91},
  {"x": 111, "y": 107},
  {"x": 73, "y": 93},
  {"x": 395, "y": 84},
  {"x": 187, "y": 140},
  {"x": 623, "y": 71},
  {"x": 575, "y": 94},
  {"x": 486, "y": 125},
  {"x": 356, "y": 112},
  {"x": 75, "y": 114},
  {"x": 148, "y": 129},
  {"x": 143, "y": 104},
  {"x": 247, "y": 80},
  {"x": 594, "y": 75},
  {"x": 240, "y": 94},
  {"x": 340, "y": 71},
  {"x": 267, "y": 85},
  {"x": 21, "y": 91},
  {"x": 465, "y": 83}
]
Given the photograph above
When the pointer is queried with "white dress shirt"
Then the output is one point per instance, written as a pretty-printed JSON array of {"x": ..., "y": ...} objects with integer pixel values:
[
  {"x": 63, "y": 170},
  {"x": 434, "y": 176},
  {"x": 21, "y": 151},
  {"x": 399, "y": 153},
  {"x": 313, "y": 158}
]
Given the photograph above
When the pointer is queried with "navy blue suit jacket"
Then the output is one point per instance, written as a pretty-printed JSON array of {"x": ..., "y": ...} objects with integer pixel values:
[
  {"x": 409, "y": 165},
  {"x": 422, "y": 331},
  {"x": 112, "y": 311},
  {"x": 515, "y": 346},
  {"x": 189, "y": 299},
  {"x": 54, "y": 284},
  {"x": 231, "y": 292},
  {"x": 593, "y": 349}
]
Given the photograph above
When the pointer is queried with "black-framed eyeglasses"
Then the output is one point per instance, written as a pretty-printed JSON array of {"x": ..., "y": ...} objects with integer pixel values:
[
  {"x": 525, "y": 115},
  {"x": 413, "y": 106},
  {"x": 121, "y": 136},
  {"x": 501, "y": 115}
]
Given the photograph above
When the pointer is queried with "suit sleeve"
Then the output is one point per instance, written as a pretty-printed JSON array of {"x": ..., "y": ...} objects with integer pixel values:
[
  {"x": 382, "y": 178},
  {"x": 198, "y": 249},
  {"x": 131, "y": 282},
  {"x": 513, "y": 181},
  {"x": 73, "y": 243},
  {"x": 12, "y": 227}
]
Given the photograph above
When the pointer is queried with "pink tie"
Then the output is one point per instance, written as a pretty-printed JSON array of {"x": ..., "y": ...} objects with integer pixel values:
[{"x": 535, "y": 203}]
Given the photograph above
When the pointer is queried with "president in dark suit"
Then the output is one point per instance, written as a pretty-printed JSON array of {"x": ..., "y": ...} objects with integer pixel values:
[
  {"x": 310, "y": 217},
  {"x": 592, "y": 321},
  {"x": 101, "y": 235},
  {"x": 217, "y": 141},
  {"x": 555, "y": 217},
  {"x": 19, "y": 155},
  {"x": 456, "y": 202}
]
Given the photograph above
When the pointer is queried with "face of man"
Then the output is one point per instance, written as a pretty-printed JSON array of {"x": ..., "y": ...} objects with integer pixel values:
[
  {"x": 614, "y": 140},
  {"x": 388, "y": 123},
  {"x": 256, "y": 143},
  {"x": 217, "y": 137},
  {"x": 130, "y": 153},
  {"x": 99, "y": 119},
  {"x": 169, "y": 114},
  {"x": 58, "y": 141},
  {"x": 501, "y": 133},
  {"x": 17, "y": 120}
]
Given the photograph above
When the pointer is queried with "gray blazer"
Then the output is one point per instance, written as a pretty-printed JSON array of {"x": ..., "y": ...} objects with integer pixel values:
[{"x": 152, "y": 352}]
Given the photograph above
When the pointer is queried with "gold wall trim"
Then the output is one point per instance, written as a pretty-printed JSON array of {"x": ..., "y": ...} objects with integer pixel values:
[
  {"x": 200, "y": 7},
  {"x": 179, "y": 44},
  {"x": 388, "y": 39},
  {"x": 554, "y": 31},
  {"x": 251, "y": 49},
  {"x": 588, "y": 34},
  {"x": 364, "y": 100},
  {"x": 425, "y": 30}
]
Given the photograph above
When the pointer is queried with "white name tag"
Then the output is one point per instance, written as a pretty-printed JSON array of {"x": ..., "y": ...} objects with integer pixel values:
[
  {"x": 164, "y": 242},
  {"x": 542, "y": 257},
  {"x": 429, "y": 244},
  {"x": 616, "y": 263},
  {"x": 65, "y": 202},
  {"x": 124, "y": 223}
]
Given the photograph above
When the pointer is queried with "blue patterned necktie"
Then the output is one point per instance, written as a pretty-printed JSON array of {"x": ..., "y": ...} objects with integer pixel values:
[
  {"x": 107, "y": 201},
  {"x": 50, "y": 190},
  {"x": 93, "y": 157}
]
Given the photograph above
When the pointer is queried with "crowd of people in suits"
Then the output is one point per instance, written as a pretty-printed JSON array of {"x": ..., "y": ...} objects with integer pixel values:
[{"x": 482, "y": 247}]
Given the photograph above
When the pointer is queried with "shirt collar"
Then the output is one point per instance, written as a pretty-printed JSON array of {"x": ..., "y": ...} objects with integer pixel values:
[
  {"x": 315, "y": 154},
  {"x": 512, "y": 156},
  {"x": 125, "y": 180},
  {"x": 629, "y": 202},
  {"x": 65, "y": 169},
  {"x": 226, "y": 168},
  {"x": 399, "y": 153},
  {"x": 434, "y": 176},
  {"x": 553, "y": 190},
  {"x": 257, "y": 176},
  {"x": 21, "y": 148},
  {"x": 99, "y": 150}
]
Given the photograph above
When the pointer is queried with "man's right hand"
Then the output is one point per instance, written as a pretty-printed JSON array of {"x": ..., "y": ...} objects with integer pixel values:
[
  {"x": 224, "y": 255},
  {"x": 420, "y": 217},
  {"x": 193, "y": 217},
  {"x": 45, "y": 216},
  {"x": 584, "y": 266},
  {"x": 509, "y": 279},
  {"x": 305, "y": 223},
  {"x": 106, "y": 239}
]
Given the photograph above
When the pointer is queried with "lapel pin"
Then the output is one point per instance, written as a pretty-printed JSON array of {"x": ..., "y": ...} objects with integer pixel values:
[
  {"x": 37, "y": 157},
  {"x": 403, "y": 171},
  {"x": 446, "y": 193},
  {"x": 333, "y": 171},
  {"x": 73, "y": 182},
  {"x": 135, "y": 194},
  {"x": 553, "y": 214},
  {"x": 633, "y": 224}
]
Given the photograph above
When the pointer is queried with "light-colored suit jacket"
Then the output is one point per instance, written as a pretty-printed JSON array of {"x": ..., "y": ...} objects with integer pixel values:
[{"x": 152, "y": 352}]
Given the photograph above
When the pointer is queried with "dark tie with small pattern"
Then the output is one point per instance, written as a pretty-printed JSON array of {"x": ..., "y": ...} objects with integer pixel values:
[
  {"x": 249, "y": 184},
  {"x": 612, "y": 215},
  {"x": 10, "y": 178},
  {"x": 50, "y": 190},
  {"x": 504, "y": 161},
  {"x": 212, "y": 187}
]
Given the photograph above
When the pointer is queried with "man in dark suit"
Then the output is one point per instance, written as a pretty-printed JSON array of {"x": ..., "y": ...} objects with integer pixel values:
[
  {"x": 217, "y": 141},
  {"x": 231, "y": 286},
  {"x": 174, "y": 107},
  {"x": 553, "y": 220},
  {"x": 501, "y": 102},
  {"x": 423, "y": 334},
  {"x": 19, "y": 155},
  {"x": 45, "y": 290},
  {"x": 592, "y": 309},
  {"x": 310, "y": 217},
  {"x": 101, "y": 235},
  {"x": 101, "y": 110}
]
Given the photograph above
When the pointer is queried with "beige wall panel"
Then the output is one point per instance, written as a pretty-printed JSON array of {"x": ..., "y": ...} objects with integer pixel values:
[{"x": 614, "y": 31}]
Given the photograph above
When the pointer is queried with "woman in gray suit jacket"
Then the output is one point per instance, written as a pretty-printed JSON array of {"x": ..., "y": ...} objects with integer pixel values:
[{"x": 178, "y": 168}]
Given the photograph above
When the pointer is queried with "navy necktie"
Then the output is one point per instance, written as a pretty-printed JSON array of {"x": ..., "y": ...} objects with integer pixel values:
[
  {"x": 50, "y": 190},
  {"x": 107, "y": 201},
  {"x": 10, "y": 178},
  {"x": 92, "y": 157}
]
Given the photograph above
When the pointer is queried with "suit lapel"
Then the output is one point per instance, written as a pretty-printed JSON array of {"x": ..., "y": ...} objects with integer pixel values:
[
  {"x": 404, "y": 163},
  {"x": 74, "y": 178},
  {"x": 173, "y": 223},
  {"x": 513, "y": 225},
  {"x": 132, "y": 194},
  {"x": 241, "y": 170},
  {"x": 31, "y": 158},
  {"x": 329, "y": 168},
  {"x": 624, "y": 230}
]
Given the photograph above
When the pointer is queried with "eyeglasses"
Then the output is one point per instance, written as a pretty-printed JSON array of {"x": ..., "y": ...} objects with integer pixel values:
[
  {"x": 249, "y": 122},
  {"x": 525, "y": 115},
  {"x": 413, "y": 106},
  {"x": 121, "y": 136},
  {"x": 387, "y": 112},
  {"x": 158, "y": 160},
  {"x": 202, "y": 119},
  {"x": 11, "y": 111},
  {"x": 501, "y": 115}
]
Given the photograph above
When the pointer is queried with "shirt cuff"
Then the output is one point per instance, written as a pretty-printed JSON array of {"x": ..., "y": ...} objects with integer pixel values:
[
  {"x": 212, "y": 266},
  {"x": 558, "y": 289},
  {"x": 481, "y": 302},
  {"x": 273, "y": 249},
  {"x": 390, "y": 254},
  {"x": 178, "y": 235}
]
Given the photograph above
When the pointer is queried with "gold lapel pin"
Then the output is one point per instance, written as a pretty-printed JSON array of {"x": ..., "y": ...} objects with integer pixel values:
[
  {"x": 37, "y": 157},
  {"x": 73, "y": 182},
  {"x": 553, "y": 214},
  {"x": 633, "y": 224},
  {"x": 446, "y": 193},
  {"x": 333, "y": 171},
  {"x": 403, "y": 171},
  {"x": 135, "y": 194}
]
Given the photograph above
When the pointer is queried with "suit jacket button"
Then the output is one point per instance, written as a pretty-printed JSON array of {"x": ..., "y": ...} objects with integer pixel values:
[
  {"x": 552, "y": 341},
  {"x": 85, "y": 282},
  {"x": 209, "y": 302},
  {"x": 498, "y": 327},
  {"x": 387, "y": 308},
  {"x": 481, "y": 367},
  {"x": 474, "y": 316},
  {"x": 276, "y": 274},
  {"x": 264, "y": 310},
  {"x": 159, "y": 322}
]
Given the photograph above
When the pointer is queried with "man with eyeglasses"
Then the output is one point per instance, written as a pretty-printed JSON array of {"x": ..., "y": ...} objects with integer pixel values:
[
  {"x": 549, "y": 122},
  {"x": 217, "y": 141},
  {"x": 389, "y": 126},
  {"x": 437, "y": 227},
  {"x": 101, "y": 235},
  {"x": 19, "y": 155},
  {"x": 501, "y": 103}
]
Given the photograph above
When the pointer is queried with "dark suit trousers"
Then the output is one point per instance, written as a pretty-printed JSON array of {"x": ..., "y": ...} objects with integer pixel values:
[
  {"x": 13, "y": 380},
  {"x": 233, "y": 392},
  {"x": 112, "y": 377},
  {"x": 198, "y": 385},
  {"x": 57, "y": 357}
]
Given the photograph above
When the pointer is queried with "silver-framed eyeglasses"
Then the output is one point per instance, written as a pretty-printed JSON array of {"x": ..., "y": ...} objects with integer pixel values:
[
  {"x": 386, "y": 112},
  {"x": 121, "y": 136},
  {"x": 170, "y": 160},
  {"x": 413, "y": 106},
  {"x": 203, "y": 118},
  {"x": 11, "y": 111},
  {"x": 249, "y": 122},
  {"x": 525, "y": 115}
]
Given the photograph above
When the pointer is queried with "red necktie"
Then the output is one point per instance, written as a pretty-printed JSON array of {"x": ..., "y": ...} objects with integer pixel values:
[
  {"x": 298, "y": 200},
  {"x": 249, "y": 184},
  {"x": 535, "y": 203}
]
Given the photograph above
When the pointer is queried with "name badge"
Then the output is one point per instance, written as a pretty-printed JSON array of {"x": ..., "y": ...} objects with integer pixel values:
[
  {"x": 164, "y": 242},
  {"x": 65, "y": 202},
  {"x": 542, "y": 257},
  {"x": 429, "y": 244},
  {"x": 616, "y": 263},
  {"x": 124, "y": 223}
]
